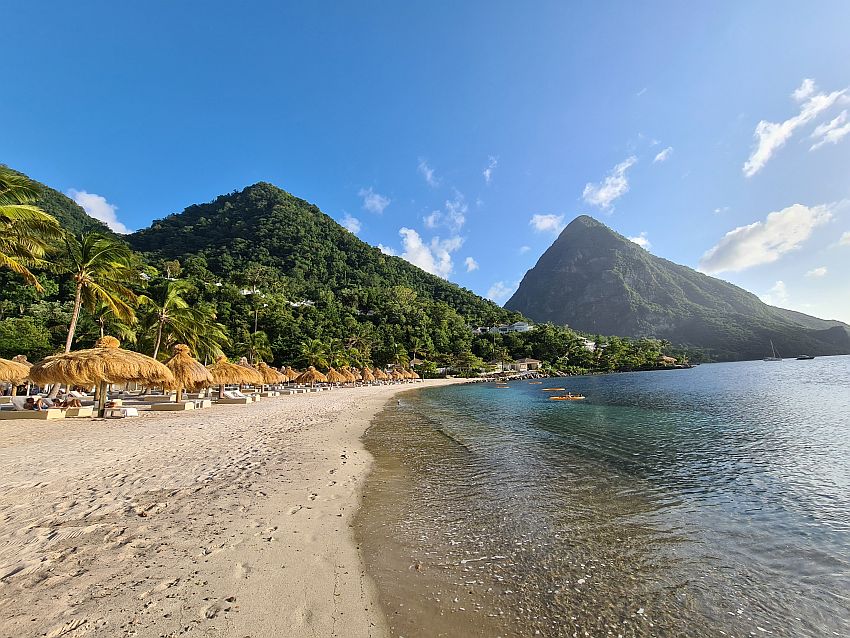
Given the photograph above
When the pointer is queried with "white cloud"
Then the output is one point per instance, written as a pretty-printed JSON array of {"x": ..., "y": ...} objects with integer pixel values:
[
  {"x": 471, "y": 264},
  {"x": 764, "y": 242},
  {"x": 432, "y": 220},
  {"x": 387, "y": 250},
  {"x": 831, "y": 132},
  {"x": 352, "y": 224},
  {"x": 372, "y": 201},
  {"x": 428, "y": 173},
  {"x": 456, "y": 210},
  {"x": 97, "y": 206},
  {"x": 500, "y": 291},
  {"x": 845, "y": 239},
  {"x": 642, "y": 241},
  {"x": 435, "y": 258},
  {"x": 452, "y": 217},
  {"x": 547, "y": 223},
  {"x": 523, "y": 249},
  {"x": 641, "y": 92},
  {"x": 777, "y": 296},
  {"x": 614, "y": 186},
  {"x": 664, "y": 155},
  {"x": 488, "y": 172},
  {"x": 771, "y": 136},
  {"x": 720, "y": 210},
  {"x": 817, "y": 272}
]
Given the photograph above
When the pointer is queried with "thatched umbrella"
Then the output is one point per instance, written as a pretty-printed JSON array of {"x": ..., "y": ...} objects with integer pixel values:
[
  {"x": 188, "y": 372},
  {"x": 22, "y": 359},
  {"x": 414, "y": 374},
  {"x": 223, "y": 373},
  {"x": 291, "y": 373},
  {"x": 13, "y": 372},
  {"x": 256, "y": 378},
  {"x": 311, "y": 376},
  {"x": 380, "y": 375},
  {"x": 367, "y": 375},
  {"x": 349, "y": 375},
  {"x": 270, "y": 375},
  {"x": 102, "y": 365},
  {"x": 335, "y": 376},
  {"x": 356, "y": 374},
  {"x": 280, "y": 374}
]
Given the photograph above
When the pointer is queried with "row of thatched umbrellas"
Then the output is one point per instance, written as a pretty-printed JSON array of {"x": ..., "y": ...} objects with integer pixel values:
[{"x": 107, "y": 364}]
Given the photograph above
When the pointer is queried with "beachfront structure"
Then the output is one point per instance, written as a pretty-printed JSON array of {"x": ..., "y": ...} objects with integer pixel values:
[
  {"x": 495, "y": 367},
  {"x": 517, "y": 326},
  {"x": 525, "y": 365}
]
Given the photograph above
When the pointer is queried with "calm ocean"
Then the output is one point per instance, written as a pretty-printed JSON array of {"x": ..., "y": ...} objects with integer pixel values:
[{"x": 705, "y": 502}]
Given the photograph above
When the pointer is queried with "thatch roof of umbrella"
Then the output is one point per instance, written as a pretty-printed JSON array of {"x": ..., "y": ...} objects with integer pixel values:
[
  {"x": 414, "y": 374},
  {"x": 280, "y": 374},
  {"x": 188, "y": 372},
  {"x": 270, "y": 375},
  {"x": 22, "y": 359},
  {"x": 367, "y": 375},
  {"x": 257, "y": 378},
  {"x": 291, "y": 373},
  {"x": 335, "y": 376},
  {"x": 105, "y": 363},
  {"x": 356, "y": 374},
  {"x": 349, "y": 375},
  {"x": 13, "y": 371},
  {"x": 311, "y": 375},
  {"x": 407, "y": 373},
  {"x": 225, "y": 373},
  {"x": 396, "y": 375},
  {"x": 380, "y": 374}
]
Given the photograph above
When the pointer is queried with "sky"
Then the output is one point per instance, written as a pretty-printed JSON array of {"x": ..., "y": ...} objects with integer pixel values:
[{"x": 461, "y": 136}]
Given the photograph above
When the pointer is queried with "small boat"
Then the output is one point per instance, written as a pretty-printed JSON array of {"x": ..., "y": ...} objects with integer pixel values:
[
  {"x": 567, "y": 397},
  {"x": 553, "y": 389},
  {"x": 775, "y": 357},
  {"x": 805, "y": 357},
  {"x": 535, "y": 383}
]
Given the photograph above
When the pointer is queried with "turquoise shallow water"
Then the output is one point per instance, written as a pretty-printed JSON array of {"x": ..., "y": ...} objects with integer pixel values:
[{"x": 703, "y": 502}]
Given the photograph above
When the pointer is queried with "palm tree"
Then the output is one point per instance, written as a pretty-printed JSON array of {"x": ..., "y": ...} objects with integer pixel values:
[
  {"x": 100, "y": 267},
  {"x": 26, "y": 231},
  {"x": 315, "y": 353},
  {"x": 255, "y": 346},
  {"x": 171, "y": 319}
]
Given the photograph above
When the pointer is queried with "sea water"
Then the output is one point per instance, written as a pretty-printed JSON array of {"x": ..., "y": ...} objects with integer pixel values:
[{"x": 713, "y": 501}]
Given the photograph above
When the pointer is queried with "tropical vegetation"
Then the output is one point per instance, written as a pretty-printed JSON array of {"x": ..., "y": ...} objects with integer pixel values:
[{"x": 263, "y": 275}]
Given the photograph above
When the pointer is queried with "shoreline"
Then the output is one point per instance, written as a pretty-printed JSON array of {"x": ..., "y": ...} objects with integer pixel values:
[{"x": 231, "y": 521}]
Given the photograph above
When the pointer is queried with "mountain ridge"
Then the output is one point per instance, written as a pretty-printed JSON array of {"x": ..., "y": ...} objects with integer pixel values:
[{"x": 595, "y": 280}]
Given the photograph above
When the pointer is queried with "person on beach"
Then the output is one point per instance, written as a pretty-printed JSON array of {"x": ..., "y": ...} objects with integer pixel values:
[{"x": 38, "y": 406}]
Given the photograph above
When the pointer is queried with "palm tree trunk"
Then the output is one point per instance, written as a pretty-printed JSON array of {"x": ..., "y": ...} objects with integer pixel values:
[
  {"x": 74, "y": 317},
  {"x": 78, "y": 302},
  {"x": 158, "y": 338}
]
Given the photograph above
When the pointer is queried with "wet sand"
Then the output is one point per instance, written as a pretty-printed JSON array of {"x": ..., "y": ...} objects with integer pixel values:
[{"x": 230, "y": 521}]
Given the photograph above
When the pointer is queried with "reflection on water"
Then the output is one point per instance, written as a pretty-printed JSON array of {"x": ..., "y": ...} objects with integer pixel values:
[{"x": 702, "y": 502}]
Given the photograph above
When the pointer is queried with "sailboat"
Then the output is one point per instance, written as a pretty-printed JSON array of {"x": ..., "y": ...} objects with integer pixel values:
[{"x": 774, "y": 357}]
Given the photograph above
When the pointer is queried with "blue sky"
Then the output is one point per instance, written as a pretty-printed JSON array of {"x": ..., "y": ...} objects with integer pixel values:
[{"x": 452, "y": 132}]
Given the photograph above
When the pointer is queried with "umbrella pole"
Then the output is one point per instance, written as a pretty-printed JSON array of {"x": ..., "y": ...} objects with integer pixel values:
[
  {"x": 221, "y": 391},
  {"x": 102, "y": 399},
  {"x": 179, "y": 393}
]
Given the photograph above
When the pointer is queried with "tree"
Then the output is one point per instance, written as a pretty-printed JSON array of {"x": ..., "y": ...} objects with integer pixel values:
[
  {"x": 21, "y": 335},
  {"x": 255, "y": 346},
  {"x": 172, "y": 319},
  {"x": 101, "y": 268},
  {"x": 26, "y": 231},
  {"x": 315, "y": 353}
]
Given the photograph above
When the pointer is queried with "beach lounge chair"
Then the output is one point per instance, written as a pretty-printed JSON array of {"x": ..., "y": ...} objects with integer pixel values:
[
  {"x": 229, "y": 397},
  {"x": 120, "y": 412},
  {"x": 16, "y": 410},
  {"x": 177, "y": 406}
]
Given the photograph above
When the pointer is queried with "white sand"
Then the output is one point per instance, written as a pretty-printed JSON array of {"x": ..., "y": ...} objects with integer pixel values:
[{"x": 230, "y": 521}]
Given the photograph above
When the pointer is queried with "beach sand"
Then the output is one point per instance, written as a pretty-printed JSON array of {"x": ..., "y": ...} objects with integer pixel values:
[{"x": 229, "y": 521}]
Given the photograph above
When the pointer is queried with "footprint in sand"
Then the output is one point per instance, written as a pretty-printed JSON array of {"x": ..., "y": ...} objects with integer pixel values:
[
  {"x": 296, "y": 509},
  {"x": 331, "y": 484},
  {"x": 313, "y": 496}
]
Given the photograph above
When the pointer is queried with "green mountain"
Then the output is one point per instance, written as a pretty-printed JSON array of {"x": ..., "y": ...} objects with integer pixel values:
[
  {"x": 265, "y": 225},
  {"x": 597, "y": 281},
  {"x": 70, "y": 215}
]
